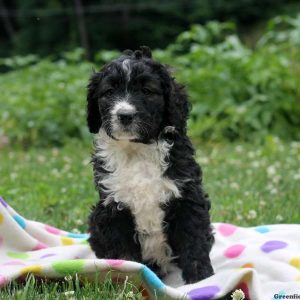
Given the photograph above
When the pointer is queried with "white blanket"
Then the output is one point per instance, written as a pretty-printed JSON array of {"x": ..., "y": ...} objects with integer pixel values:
[{"x": 264, "y": 261}]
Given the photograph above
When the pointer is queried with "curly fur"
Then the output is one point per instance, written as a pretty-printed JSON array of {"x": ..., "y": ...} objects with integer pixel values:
[{"x": 153, "y": 208}]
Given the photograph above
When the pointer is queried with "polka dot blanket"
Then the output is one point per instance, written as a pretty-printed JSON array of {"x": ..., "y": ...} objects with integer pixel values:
[{"x": 263, "y": 261}]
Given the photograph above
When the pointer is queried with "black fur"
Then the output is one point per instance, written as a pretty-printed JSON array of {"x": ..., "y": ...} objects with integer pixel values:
[
  {"x": 163, "y": 113},
  {"x": 94, "y": 119}
]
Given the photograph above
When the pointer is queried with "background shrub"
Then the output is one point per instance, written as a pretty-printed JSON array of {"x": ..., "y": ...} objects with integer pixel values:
[
  {"x": 44, "y": 104},
  {"x": 120, "y": 24},
  {"x": 238, "y": 93}
]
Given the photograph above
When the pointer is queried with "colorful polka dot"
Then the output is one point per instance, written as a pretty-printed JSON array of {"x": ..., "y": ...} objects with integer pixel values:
[
  {"x": 66, "y": 241},
  {"x": 272, "y": 246},
  {"x": 3, "y": 281},
  {"x": 262, "y": 229},
  {"x": 78, "y": 235},
  {"x": 295, "y": 262},
  {"x": 3, "y": 202},
  {"x": 115, "y": 262},
  {"x": 1, "y": 219},
  {"x": 14, "y": 263},
  {"x": 31, "y": 269},
  {"x": 52, "y": 229},
  {"x": 234, "y": 251},
  {"x": 17, "y": 255},
  {"x": 47, "y": 255},
  {"x": 39, "y": 246},
  {"x": 248, "y": 265},
  {"x": 151, "y": 278},
  {"x": 68, "y": 266},
  {"x": 205, "y": 293},
  {"x": 227, "y": 229},
  {"x": 20, "y": 221}
]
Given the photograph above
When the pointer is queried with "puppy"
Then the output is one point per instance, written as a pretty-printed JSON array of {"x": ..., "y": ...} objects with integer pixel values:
[{"x": 152, "y": 207}]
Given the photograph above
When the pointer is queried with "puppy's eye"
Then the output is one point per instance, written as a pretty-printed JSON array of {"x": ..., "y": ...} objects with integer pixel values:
[
  {"x": 147, "y": 91},
  {"x": 108, "y": 92}
]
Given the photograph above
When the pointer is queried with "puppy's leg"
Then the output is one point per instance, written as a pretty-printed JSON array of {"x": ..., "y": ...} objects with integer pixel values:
[
  {"x": 112, "y": 233},
  {"x": 191, "y": 239}
]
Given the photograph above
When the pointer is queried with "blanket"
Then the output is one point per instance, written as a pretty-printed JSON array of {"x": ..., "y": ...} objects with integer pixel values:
[{"x": 262, "y": 262}]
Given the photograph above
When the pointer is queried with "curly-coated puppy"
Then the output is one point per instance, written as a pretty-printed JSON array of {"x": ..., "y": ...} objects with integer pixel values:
[{"x": 152, "y": 207}]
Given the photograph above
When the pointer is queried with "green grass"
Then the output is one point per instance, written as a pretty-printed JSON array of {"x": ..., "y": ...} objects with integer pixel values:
[
  {"x": 70, "y": 289},
  {"x": 248, "y": 185}
]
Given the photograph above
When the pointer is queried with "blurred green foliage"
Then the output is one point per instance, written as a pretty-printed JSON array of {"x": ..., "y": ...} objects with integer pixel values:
[
  {"x": 37, "y": 25},
  {"x": 43, "y": 104},
  {"x": 237, "y": 93}
]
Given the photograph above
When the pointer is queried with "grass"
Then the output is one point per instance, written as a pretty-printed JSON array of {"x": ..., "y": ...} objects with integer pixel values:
[
  {"x": 248, "y": 185},
  {"x": 70, "y": 289}
]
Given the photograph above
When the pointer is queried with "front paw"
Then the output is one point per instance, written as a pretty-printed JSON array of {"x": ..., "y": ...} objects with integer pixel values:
[
  {"x": 196, "y": 271},
  {"x": 168, "y": 133},
  {"x": 169, "y": 129}
]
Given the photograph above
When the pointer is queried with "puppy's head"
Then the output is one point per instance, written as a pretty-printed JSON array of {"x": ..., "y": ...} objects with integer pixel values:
[{"x": 134, "y": 98}]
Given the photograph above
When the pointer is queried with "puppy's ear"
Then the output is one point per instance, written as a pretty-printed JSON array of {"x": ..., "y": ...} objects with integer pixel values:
[
  {"x": 93, "y": 114},
  {"x": 177, "y": 106}
]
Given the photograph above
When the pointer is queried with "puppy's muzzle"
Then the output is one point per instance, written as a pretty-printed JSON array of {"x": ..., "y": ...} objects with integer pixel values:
[{"x": 125, "y": 117}]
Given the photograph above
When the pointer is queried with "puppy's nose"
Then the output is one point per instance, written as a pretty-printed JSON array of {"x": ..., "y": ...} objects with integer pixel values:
[{"x": 125, "y": 117}]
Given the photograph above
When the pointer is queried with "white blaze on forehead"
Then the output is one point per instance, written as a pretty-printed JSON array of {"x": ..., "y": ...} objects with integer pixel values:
[
  {"x": 127, "y": 68},
  {"x": 124, "y": 106}
]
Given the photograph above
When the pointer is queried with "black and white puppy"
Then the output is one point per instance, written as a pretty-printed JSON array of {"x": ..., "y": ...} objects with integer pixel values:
[{"x": 152, "y": 207}]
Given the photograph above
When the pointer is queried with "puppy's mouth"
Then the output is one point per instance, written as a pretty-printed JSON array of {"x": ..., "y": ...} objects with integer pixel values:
[
  {"x": 129, "y": 135},
  {"x": 123, "y": 132},
  {"x": 122, "y": 135}
]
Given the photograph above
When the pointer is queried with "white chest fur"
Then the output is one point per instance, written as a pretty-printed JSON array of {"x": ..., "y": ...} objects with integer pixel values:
[{"x": 136, "y": 179}]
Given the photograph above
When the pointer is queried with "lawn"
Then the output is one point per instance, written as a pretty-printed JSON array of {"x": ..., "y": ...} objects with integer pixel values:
[{"x": 248, "y": 185}]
